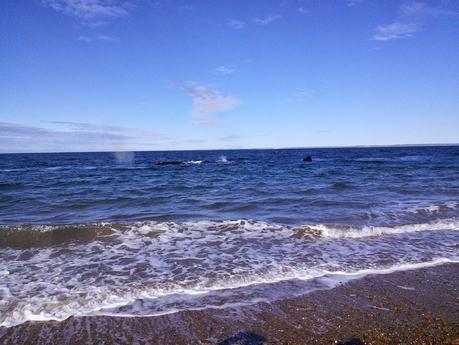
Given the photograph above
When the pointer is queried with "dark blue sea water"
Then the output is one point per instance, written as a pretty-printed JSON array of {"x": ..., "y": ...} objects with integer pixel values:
[
  {"x": 358, "y": 186},
  {"x": 146, "y": 233}
]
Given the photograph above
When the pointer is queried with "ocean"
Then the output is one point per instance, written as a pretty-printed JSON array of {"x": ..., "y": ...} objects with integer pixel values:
[{"x": 151, "y": 233}]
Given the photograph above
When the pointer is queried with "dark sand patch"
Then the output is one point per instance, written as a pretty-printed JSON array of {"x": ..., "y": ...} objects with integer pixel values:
[{"x": 411, "y": 307}]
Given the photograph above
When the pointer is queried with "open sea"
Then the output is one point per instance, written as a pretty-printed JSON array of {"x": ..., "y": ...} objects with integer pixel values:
[{"x": 151, "y": 233}]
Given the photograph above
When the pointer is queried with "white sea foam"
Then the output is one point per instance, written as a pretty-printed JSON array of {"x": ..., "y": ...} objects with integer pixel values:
[
  {"x": 369, "y": 231},
  {"x": 435, "y": 209},
  {"x": 147, "y": 302},
  {"x": 247, "y": 225},
  {"x": 192, "y": 265}
]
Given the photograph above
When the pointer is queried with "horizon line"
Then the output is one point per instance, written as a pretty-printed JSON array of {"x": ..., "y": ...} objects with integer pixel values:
[{"x": 247, "y": 149}]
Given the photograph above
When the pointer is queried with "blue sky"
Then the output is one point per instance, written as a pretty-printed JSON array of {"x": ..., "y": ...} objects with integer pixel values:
[{"x": 112, "y": 75}]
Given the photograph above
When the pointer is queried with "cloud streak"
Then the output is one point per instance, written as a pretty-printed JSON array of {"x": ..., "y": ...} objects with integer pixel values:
[
  {"x": 266, "y": 20},
  {"x": 90, "y": 11},
  {"x": 411, "y": 16},
  {"x": 74, "y": 136},
  {"x": 352, "y": 3},
  {"x": 103, "y": 38},
  {"x": 260, "y": 21},
  {"x": 395, "y": 30},
  {"x": 236, "y": 24},
  {"x": 208, "y": 102},
  {"x": 223, "y": 70},
  {"x": 420, "y": 9}
]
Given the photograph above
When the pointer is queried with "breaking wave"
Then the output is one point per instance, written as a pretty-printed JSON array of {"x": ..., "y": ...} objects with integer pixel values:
[
  {"x": 42, "y": 235},
  {"x": 331, "y": 231},
  {"x": 151, "y": 268}
]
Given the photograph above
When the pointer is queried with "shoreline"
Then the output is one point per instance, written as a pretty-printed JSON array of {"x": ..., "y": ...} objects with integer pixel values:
[{"x": 411, "y": 307}]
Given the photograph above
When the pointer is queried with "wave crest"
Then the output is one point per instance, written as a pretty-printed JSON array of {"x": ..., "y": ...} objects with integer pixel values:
[
  {"x": 24, "y": 236},
  {"x": 332, "y": 231}
]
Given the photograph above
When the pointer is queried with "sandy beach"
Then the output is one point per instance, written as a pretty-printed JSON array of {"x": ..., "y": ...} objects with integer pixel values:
[{"x": 411, "y": 307}]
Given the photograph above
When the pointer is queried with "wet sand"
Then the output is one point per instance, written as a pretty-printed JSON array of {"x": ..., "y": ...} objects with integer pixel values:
[{"x": 411, "y": 307}]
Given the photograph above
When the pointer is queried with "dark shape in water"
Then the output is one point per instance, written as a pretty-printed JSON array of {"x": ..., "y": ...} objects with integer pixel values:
[
  {"x": 170, "y": 163},
  {"x": 341, "y": 185},
  {"x": 308, "y": 158}
]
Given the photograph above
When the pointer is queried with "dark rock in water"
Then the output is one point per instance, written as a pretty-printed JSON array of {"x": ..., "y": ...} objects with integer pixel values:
[
  {"x": 170, "y": 163},
  {"x": 308, "y": 158}
]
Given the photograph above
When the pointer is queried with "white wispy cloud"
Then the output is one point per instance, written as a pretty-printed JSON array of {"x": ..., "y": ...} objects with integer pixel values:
[
  {"x": 90, "y": 9},
  {"x": 411, "y": 16},
  {"x": 352, "y": 3},
  {"x": 207, "y": 102},
  {"x": 61, "y": 136},
  {"x": 262, "y": 21},
  {"x": 266, "y": 20},
  {"x": 418, "y": 9},
  {"x": 98, "y": 128},
  {"x": 394, "y": 31},
  {"x": 236, "y": 24},
  {"x": 104, "y": 38},
  {"x": 223, "y": 70}
]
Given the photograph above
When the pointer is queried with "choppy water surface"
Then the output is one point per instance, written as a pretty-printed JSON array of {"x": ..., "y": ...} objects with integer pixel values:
[{"x": 155, "y": 232}]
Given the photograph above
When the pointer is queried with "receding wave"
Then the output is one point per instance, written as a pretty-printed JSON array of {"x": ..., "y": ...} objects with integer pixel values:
[
  {"x": 261, "y": 290},
  {"x": 148, "y": 301}
]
